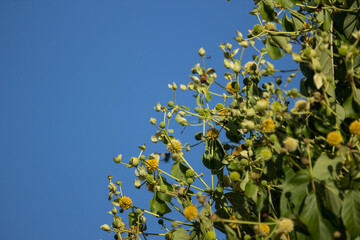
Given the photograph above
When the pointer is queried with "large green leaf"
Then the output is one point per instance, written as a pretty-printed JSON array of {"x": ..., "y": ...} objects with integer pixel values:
[
  {"x": 181, "y": 234},
  {"x": 350, "y": 213},
  {"x": 327, "y": 168},
  {"x": 298, "y": 20},
  {"x": 281, "y": 41},
  {"x": 327, "y": 21},
  {"x": 178, "y": 170},
  {"x": 266, "y": 10},
  {"x": 158, "y": 206},
  {"x": 294, "y": 192},
  {"x": 318, "y": 227},
  {"x": 288, "y": 3},
  {"x": 272, "y": 49},
  {"x": 351, "y": 21},
  {"x": 287, "y": 25},
  {"x": 213, "y": 155}
]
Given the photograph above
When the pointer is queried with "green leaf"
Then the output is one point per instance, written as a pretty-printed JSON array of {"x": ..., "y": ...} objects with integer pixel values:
[
  {"x": 281, "y": 41},
  {"x": 350, "y": 21},
  {"x": 158, "y": 206},
  {"x": 213, "y": 155},
  {"x": 332, "y": 198},
  {"x": 178, "y": 170},
  {"x": 350, "y": 213},
  {"x": 318, "y": 227},
  {"x": 287, "y": 25},
  {"x": 298, "y": 21},
  {"x": 327, "y": 22},
  {"x": 181, "y": 234},
  {"x": 204, "y": 215},
  {"x": 199, "y": 100},
  {"x": 349, "y": 106},
  {"x": 163, "y": 196},
  {"x": 208, "y": 96},
  {"x": 288, "y": 3},
  {"x": 294, "y": 192},
  {"x": 272, "y": 50},
  {"x": 266, "y": 10},
  {"x": 250, "y": 190},
  {"x": 326, "y": 168}
]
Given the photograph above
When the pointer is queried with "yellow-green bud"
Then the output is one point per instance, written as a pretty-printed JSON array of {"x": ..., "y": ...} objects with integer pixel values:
[
  {"x": 183, "y": 87},
  {"x": 288, "y": 48},
  {"x": 202, "y": 52},
  {"x": 153, "y": 121},
  {"x": 257, "y": 29},
  {"x": 228, "y": 46},
  {"x": 162, "y": 124},
  {"x": 235, "y": 176},
  {"x": 189, "y": 173},
  {"x": 114, "y": 210},
  {"x": 105, "y": 227},
  {"x": 244, "y": 44},
  {"x": 118, "y": 158},
  {"x": 236, "y": 67},
  {"x": 134, "y": 161}
]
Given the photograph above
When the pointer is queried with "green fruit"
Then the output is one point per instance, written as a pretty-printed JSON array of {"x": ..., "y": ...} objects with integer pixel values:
[
  {"x": 142, "y": 158},
  {"x": 189, "y": 181},
  {"x": 244, "y": 162},
  {"x": 197, "y": 109},
  {"x": 189, "y": 173},
  {"x": 162, "y": 124},
  {"x": 264, "y": 183},
  {"x": 163, "y": 188},
  {"x": 235, "y": 176},
  {"x": 138, "y": 211},
  {"x": 170, "y": 103},
  {"x": 257, "y": 29}
]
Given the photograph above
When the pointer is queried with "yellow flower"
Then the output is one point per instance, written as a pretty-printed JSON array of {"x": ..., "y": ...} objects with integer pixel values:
[
  {"x": 174, "y": 146},
  {"x": 268, "y": 125},
  {"x": 354, "y": 127},
  {"x": 264, "y": 230},
  {"x": 232, "y": 87},
  {"x": 190, "y": 212},
  {"x": 125, "y": 202},
  {"x": 285, "y": 225},
  {"x": 152, "y": 164},
  {"x": 212, "y": 133},
  {"x": 251, "y": 67},
  {"x": 334, "y": 138}
]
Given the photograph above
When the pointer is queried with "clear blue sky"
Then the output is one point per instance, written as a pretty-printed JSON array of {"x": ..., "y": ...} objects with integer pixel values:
[{"x": 78, "y": 83}]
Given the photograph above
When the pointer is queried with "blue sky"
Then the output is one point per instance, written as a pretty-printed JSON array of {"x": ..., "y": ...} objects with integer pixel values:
[{"x": 78, "y": 83}]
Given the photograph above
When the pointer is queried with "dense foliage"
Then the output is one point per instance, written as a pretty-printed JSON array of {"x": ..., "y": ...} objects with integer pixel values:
[{"x": 284, "y": 164}]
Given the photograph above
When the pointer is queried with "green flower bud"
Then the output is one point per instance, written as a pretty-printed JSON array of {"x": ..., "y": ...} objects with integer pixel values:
[
  {"x": 264, "y": 183},
  {"x": 118, "y": 158},
  {"x": 343, "y": 50},
  {"x": 244, "y": 44},
  {"x": 142, "y": 158},
  {"x": 202, "y": 52},
  {"x": 257, "y": 29},
  {"x": 169, "y": 115},
  {"x": 134, "y": 161},
  {"x": 228, "y": 46},
  {"x": 197, "y": 109},
  {"x": 142, "y": 147},
  {"x": 163, "y": 188},
  {"x": 183, "y": 87},
  {"x": 189, "y": 181},
  {"x": 235, "y": 176},
  {"x": 247, "y": 143},
  {"x": 105, "y": 227},
  {"x": 153, "y": 121},
  {"x": 189, "y": 173},
  {"x": 114, "y": 211},
  {"x": 236, "y": 67},
  {"x": 273, "y": 138},
  {"x": 110, "y": 177},
  {"x": 162, "y": 124},
  {"x": 219, "y": 106},
  {"x": 243, "y": 162},
  {"x": 170, "y": 103},
  {"x": 176, "y": 156}
]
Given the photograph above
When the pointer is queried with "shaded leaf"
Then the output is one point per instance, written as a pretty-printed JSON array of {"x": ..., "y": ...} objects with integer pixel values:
[
  {"x": 350, "y": 213},
  {"x": 318, "y": 227},
  {"x": 178, "y": 170},
  {"x": 272, "y": 50}
]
